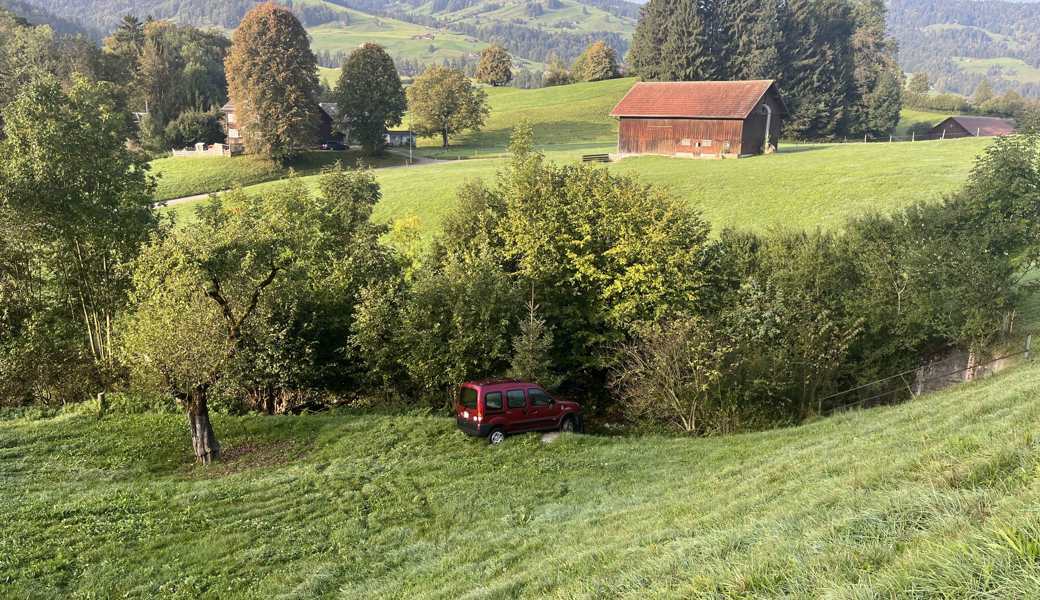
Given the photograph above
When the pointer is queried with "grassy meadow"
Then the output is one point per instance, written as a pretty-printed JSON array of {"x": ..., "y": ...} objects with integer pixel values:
[
  {"x": 570, "y": 116},
  {"x": 933, "y": 499},
  {"x": 801, "y": 186},
  {"x": 180, "y": 176}
]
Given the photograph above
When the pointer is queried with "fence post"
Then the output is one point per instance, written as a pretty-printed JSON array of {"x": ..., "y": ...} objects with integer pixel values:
[
  {"x": 943, "y": 135},
  {"x": 890, "y": 138},
  {"x": 978, "y": 132},
  {"x": 913, "y": 136},
  {"x": 864, "y": 138},
  {"x": 1029, "y": 346}
]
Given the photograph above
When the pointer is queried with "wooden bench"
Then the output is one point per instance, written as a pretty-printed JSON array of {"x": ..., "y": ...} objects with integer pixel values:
[{"x": 603, "y": 158}]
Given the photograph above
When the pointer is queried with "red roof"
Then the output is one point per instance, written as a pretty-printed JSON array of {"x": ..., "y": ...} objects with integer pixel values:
[
  {"x": 693, "y": 99},
  {"x": 984, "y": 126}
]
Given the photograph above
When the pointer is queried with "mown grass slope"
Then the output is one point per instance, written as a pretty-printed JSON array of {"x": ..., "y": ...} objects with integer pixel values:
[
  {"x": 802, "y": 186},
  {"x": 934, "y": 499},
  {"x": 179, "y": 177},
  {"x": 574, "y": 116}
]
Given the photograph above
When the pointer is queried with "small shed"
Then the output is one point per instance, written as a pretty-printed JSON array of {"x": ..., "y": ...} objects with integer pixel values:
[
  {"x": 700, "y": 118},
  {"x": 958, "y": 127}
]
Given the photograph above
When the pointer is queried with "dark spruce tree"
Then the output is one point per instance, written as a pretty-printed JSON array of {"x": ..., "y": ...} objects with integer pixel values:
[{"x": 832, "y": 59}]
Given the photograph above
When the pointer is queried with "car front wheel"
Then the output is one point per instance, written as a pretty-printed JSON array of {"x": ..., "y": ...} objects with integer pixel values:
[
  {"x": 496, "y": 437},
  {"x": 568, "y": 426}
]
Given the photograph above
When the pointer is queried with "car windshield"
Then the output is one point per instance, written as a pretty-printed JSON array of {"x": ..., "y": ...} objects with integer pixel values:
[{"x": 468, "y": 398}]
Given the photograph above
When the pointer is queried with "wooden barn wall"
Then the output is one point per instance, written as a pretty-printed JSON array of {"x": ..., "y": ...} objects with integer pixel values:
[
  {"x": 755, "y": 127},
  {"x": 675, "y": 136}
]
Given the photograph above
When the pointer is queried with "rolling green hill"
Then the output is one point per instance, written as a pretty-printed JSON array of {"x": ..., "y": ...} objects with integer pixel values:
[
  {"x": 569, "y": 115},
  {"x": 802, "y": 186},
  {"x": 933, "y": 499}
]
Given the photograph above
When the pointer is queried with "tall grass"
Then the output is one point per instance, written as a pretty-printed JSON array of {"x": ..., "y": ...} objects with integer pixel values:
[{"x": 934, "y": 499}]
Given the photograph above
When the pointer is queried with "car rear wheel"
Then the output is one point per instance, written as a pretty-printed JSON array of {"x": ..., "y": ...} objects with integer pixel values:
[
  {"x": 568, "y": 425},
  {"x": 497, "y": 436}
]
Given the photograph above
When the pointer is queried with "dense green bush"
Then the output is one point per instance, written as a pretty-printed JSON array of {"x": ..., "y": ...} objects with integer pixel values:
[{"x": 194, "y": 127}]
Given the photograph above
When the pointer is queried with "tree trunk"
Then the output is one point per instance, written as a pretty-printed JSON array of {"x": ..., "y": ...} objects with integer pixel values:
[
  {"x": 203, "y": 440},
  {"x": 444, "y": 138}
]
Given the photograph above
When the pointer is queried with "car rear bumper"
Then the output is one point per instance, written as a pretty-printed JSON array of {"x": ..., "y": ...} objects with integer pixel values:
[{"x": 471, "y": 428}]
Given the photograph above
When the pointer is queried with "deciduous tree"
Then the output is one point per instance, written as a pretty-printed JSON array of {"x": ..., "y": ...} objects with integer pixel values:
[
  {"x": 443, "y": 102},
  {"x": 78, "y": 205},
  {"x": 495, "y": 66},
  {"x": 598, "y": 62},
  {"x": 370, "y": 96},
  {"x": 273, "y": 82}
]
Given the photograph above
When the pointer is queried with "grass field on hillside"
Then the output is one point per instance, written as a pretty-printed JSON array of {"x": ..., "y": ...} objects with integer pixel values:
[
  {"x": 934, "y": 499},
  {"x": 179, "y": 177},
  {"x": 913, "y": 116},
  {"x": 1012, "y": 69},
  {"x": 577, "y": 114},
  {"x": 802, "y": 186}
]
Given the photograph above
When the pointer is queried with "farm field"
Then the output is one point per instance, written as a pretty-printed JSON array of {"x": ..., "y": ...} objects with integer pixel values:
[
  {"x": 1011, "y": 69},
  {"x": 802, "y": 186},
  {"x": 917, "y": 500},
  {"x": 577, "y": 114}
]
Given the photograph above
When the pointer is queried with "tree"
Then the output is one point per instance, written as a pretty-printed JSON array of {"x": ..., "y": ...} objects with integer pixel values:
[
  {"x": 673, "y": 373},
  {"x": 241, "y": 298},
  {"x": 443, "y": 102},
  {"x": 495, "y": 67},
  {"x": 78, "y": 205},
  {"x": 877, "y": 77},
  {"x": 983, "y": 93},
  {"x": 884, "y": 104},
  {"x": 593, "y": 288},
  {"x": 273, "y": 82},
  {"x": 687, "y": 54},
  {"x": 557, "y": 73},
  {"x": 369, "y": 96},
  {"x": 532, "y": 350},
  {"x": 194, "y": 127},
  {"x": 598, "y": 62},
  {"x": 919, "y": 84},
  {"x": 644, "y": 55}
]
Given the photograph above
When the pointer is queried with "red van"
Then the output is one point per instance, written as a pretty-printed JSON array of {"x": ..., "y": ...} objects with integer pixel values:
[{"x": 494, "y": 408}]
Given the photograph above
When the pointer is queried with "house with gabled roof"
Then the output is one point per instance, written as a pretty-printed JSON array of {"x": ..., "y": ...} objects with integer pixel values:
[
  {"x": 970, "y": 126},
  {"x": 700, "y": 119}
]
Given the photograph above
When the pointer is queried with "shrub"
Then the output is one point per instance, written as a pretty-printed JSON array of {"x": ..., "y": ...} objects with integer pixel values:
[{"x": 194, "y": 127}]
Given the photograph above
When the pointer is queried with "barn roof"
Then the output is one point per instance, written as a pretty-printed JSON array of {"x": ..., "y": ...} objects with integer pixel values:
[
  {"x": 984, "y": 126},
  {"x": 694, "y": 99}
]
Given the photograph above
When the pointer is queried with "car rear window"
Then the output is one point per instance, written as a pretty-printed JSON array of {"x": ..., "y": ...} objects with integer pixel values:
[
  {"x": 468, "y": 398},
  {"x": 493, "y": 401}
]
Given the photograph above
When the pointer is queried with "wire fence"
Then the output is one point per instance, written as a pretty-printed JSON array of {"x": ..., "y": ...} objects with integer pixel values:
[
  {"x": 912, "y": 137},
  {"x": 912, "y": 383}
]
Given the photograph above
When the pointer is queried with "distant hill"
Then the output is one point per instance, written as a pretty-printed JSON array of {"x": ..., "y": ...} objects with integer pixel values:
[
  {"x": 961, "y": 42},
  {"x": 530, "y": 29},
  {"x": 957, "y": 42},
  {"x": 40, "y": 16}
]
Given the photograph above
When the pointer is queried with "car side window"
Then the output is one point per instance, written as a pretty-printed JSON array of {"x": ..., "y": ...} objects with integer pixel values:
[
  {"x": 493, "y": 401},
  {"x": 515, "y": 398},
  {"x": 539, "y": 398}
]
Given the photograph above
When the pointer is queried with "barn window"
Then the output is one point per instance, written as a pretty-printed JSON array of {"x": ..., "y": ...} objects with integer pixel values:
[{"x": 684, "y": 142}]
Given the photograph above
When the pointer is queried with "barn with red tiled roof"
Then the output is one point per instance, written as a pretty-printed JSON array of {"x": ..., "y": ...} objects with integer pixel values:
[
  {"x": 700, "y": 118},
  {"x": 961, "y": 126}
]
